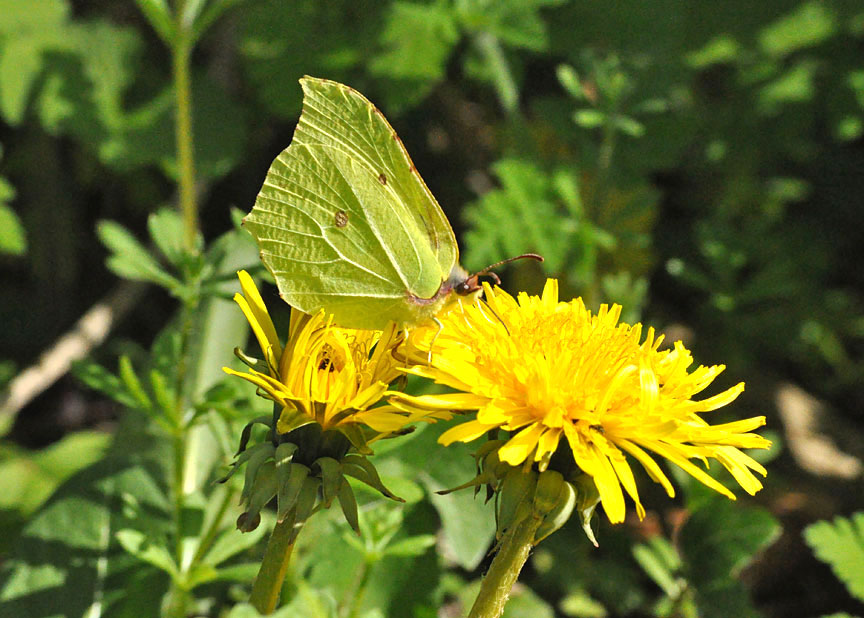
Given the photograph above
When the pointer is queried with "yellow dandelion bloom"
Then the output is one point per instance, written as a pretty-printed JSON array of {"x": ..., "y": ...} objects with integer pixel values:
[
  {"x": 324, "y": 374},
  {"x": 546, "y": 370}
]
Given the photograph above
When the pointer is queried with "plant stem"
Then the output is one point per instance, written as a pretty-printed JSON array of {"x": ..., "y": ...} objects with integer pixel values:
[
  {"x": 268, "y": 583},
  {"x": 178, "y": 599},
  {"x": 181, "y": 53},
  {"x": 353, "y": 605},
  {"x": 215, "y": 526},
  {"x": 182, "y": 60},
  {"x": 513, "y": 552}
]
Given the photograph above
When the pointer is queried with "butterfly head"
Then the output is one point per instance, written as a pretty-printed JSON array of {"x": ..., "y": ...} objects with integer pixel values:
[{"x": 466, "y": 285}]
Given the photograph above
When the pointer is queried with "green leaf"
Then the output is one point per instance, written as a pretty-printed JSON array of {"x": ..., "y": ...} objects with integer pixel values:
[
  {"x": 629, "y": 126},
  {"x": 412, "y": 546},
  {"x": 323, "y": 41},
  {"x": 244, "y": 572},
  {"x": 719, "y": 539},
  {"x": 468, "y": 524},
  {"x": 660, "y": 562},
  {"x": 132, "y": 383},
  {"x": 130, "y": 259},
  {"x": 146, "y": 135},
  {"x": 158, "y": 13},
  {"x": 417, "y": 40},
  {"x": 25, "y": 30},
  {"x": 807, "y": 25},
  {"x": 13, "y": 239},
  {"x": 136, "y": 543},
  {"x": 232, "y": 542},
  {"x": 100, "y": 379},
  {"x": 795, "y": 85},
  {"x": 589, "y": 118},
  {"x": 66, "y": 559},
  {"x": 525, "y": 215},
  {"x": 87, "y": 67},
  {"x": 74, "y": 74},
  {"x": 718, "y": 50},
  {"x": 840, "y": 543},
  {"x": 515, "y": 22},
  {"x": 166, "y": 230},
  {"x": 212, "y": 11},
  {"x": 569, "y": 79},
  {"x": 27, "y": 478}
]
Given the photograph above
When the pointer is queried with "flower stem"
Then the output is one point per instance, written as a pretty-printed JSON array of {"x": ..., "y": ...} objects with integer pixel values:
[
  {"x": 512, "y": 553},
  {"x": 274, "y": 566}
]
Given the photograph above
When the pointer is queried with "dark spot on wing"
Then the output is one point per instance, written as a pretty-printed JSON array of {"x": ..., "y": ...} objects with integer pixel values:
[
  {"x": 341, "y": 218},
  {"x": 382, "y": 178}
]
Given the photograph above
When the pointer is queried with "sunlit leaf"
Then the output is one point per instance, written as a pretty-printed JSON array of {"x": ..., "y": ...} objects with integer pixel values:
[
  {"x": 12, "y": 237},
  {"x": 66, "y": 559},
  {"x": 808, "y": 24},
  {"x": 840, "y": 543},
  {"x": 417, "y": 40}
]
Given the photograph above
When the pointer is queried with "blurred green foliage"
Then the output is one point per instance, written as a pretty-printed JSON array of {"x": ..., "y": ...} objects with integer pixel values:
[{"x": 700, "y": 164}]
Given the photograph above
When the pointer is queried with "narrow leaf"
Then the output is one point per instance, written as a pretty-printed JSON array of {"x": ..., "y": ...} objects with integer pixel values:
[
  {"x": 159, "y": 16},
  {"x": 412, "y": 546},
  {"x": 137, "y": 544},
  {"x": 13, "y": 240}
]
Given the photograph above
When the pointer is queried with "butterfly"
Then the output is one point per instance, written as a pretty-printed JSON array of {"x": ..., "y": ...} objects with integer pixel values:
[{"x": 345, "y": 223}]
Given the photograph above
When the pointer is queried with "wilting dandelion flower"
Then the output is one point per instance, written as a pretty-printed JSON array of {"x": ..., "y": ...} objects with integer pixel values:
[
  {"x": 556, "y": 376},
  {"x": 326, "y": 384}
]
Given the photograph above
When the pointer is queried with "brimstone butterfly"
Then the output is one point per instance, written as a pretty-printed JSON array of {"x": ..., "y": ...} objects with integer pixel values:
[{"x": 346, "y": 224}]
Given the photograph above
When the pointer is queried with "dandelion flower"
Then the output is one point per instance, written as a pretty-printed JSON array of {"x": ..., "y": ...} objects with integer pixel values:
[
  {"x": 556, "y": 376},
  {"x": 324, "y": 374}
]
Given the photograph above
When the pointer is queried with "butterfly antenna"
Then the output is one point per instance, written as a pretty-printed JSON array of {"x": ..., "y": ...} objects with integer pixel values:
[{"x": 524, "y": 256}]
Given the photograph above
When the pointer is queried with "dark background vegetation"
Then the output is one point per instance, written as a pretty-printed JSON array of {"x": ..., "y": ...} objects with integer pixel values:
[{"x": 700, "y": 163}]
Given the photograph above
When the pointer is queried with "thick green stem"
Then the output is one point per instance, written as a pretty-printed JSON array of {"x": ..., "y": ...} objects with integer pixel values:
[
  {"x": 182, "y": 61},
  {"x": 268, "y": 583},
  {"x": 512, "y": 553}
]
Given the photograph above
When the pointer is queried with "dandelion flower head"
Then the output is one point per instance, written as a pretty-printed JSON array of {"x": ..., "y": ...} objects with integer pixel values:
[{"x": 553, "y": 374}]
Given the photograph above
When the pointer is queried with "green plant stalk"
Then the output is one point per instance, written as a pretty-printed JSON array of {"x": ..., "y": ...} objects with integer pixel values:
[
  {"x": 181, "y": 54},
  {"x": 182, "y": 61},
  {"x": 178, "y": 600},
  {"x": 353, "y": 604},
  {"x": 277, "y": 556},
  {"x": 512, "y": 553}
]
